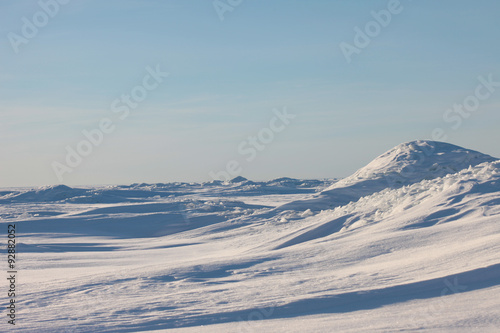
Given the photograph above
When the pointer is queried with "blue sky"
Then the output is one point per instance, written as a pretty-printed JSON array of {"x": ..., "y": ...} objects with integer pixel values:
[{"x": 225, "y": 79}]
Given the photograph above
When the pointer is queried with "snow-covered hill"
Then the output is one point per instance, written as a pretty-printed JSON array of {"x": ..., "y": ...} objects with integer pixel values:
[
  {"x": 405, "y": 164},
  {"x": 408, "y": 243},
  {"x": 411, "y": 162}
]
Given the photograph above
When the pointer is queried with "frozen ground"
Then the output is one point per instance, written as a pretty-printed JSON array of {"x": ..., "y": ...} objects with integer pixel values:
[{"x": 410, "y": 242}]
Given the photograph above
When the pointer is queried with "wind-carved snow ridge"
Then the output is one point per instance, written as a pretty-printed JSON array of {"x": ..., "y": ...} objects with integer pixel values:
[{"x": 481, "y": 179}]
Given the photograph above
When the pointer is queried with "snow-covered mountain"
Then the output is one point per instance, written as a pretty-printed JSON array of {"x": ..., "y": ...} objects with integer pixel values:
[{"x": 410, "y": 242}]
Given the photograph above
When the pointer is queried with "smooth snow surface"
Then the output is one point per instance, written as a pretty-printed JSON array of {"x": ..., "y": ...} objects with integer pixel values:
[{"x": 409, "y": 243}]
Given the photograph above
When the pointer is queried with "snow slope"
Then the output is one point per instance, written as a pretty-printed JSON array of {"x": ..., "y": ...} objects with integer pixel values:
[
  {"x": 405, "y": 164},
  {"x": 408, "y": 243}
]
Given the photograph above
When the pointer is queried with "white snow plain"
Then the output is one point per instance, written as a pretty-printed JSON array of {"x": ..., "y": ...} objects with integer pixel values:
[{"x": 409, "y": 243}]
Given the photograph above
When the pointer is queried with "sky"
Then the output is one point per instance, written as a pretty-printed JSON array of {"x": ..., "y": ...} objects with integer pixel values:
[{"x": 130, "y": 91}]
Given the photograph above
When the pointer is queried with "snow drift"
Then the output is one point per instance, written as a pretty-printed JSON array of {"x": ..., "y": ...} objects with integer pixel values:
[{"x": 410, "y": 242}]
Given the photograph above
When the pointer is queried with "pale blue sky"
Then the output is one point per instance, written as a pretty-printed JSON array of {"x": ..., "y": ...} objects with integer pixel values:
[{"x": 225, "y": 79}]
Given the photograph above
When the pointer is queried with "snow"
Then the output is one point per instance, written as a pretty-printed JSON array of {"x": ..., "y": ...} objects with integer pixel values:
[
  {"x": 405, "y": 164},
  {"x": 408, "y": 243}
]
